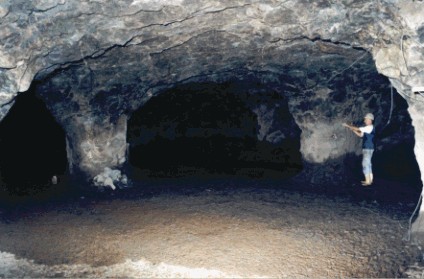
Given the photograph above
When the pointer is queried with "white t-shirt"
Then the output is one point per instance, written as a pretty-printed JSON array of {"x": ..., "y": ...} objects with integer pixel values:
[{"x": 367, "y": 129}]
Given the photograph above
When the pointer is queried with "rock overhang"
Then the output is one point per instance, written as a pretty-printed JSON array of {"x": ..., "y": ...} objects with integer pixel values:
[
  {"x": 61, "y": 32},
  {"x": 134, "y": 78}
]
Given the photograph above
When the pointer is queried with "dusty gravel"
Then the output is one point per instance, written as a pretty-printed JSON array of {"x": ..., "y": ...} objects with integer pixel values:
[{"x": 213, "y": 232}]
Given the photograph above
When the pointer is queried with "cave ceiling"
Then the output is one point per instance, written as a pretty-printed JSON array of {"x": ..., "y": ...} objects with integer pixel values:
[{"x": 138, "y": 48}]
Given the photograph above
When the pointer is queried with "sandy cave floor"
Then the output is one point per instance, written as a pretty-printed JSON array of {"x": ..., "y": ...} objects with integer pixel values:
[{"x": 222, "y": 229}]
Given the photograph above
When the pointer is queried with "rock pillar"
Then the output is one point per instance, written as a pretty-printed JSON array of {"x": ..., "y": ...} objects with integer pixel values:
[{"x": 97, "y": 149}]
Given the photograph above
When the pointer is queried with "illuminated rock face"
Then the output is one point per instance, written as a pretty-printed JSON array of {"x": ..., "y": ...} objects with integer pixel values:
[{"x": 97, "y": 62}]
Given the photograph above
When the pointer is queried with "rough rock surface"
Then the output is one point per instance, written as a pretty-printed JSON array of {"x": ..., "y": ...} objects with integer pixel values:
[{"x": 97, "y": 62}]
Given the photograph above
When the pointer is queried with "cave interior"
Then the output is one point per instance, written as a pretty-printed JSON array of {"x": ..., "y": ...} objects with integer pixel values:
[
  {"x": 242, "y": 127},
  {"x": 173, "y": 139}
]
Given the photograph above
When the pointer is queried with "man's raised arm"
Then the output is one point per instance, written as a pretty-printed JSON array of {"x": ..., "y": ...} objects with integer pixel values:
[{"x": 354, "y": 129}]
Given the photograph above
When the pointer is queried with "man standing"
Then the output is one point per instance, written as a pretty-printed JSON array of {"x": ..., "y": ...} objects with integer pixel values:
[{"x": 367, "y": 134}]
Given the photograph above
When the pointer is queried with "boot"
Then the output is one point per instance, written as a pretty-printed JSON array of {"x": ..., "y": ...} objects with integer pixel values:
[{"x": 367, "y": 181}]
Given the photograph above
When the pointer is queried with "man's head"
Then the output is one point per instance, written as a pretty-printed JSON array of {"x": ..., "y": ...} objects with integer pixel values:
[{"x": 368, "y": 118}]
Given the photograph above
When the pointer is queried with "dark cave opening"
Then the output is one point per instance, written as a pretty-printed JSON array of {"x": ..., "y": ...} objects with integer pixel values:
[
  {"x": 32, "y": 147},
  {"x": 216, "y": 128}
]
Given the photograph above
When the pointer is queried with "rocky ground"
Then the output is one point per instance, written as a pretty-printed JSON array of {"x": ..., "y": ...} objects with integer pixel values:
[{"x": 211, "y": 227}]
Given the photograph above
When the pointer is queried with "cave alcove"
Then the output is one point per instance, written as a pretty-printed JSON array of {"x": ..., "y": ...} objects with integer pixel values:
[
  {"x": 211, "y": 128},
  {"x": 32, "y": 147},
  {"x": 394, "y": 158}
]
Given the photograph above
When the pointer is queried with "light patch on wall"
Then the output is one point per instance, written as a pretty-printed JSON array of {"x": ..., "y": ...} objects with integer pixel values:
[{"x": 327, "y": 141}]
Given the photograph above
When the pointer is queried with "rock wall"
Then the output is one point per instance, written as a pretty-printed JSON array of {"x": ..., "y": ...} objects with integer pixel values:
[{"x": 402, "y": 61}]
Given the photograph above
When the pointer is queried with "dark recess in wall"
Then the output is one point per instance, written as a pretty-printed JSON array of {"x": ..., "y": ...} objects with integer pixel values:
[
  {"x": 209, "y": 126},
  {"x": 32, "y": 146},
  {"x": 394, "y": 158}
]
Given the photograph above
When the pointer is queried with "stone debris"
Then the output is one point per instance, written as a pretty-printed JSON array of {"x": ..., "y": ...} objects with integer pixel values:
[{"x": 110, "y": 177}]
